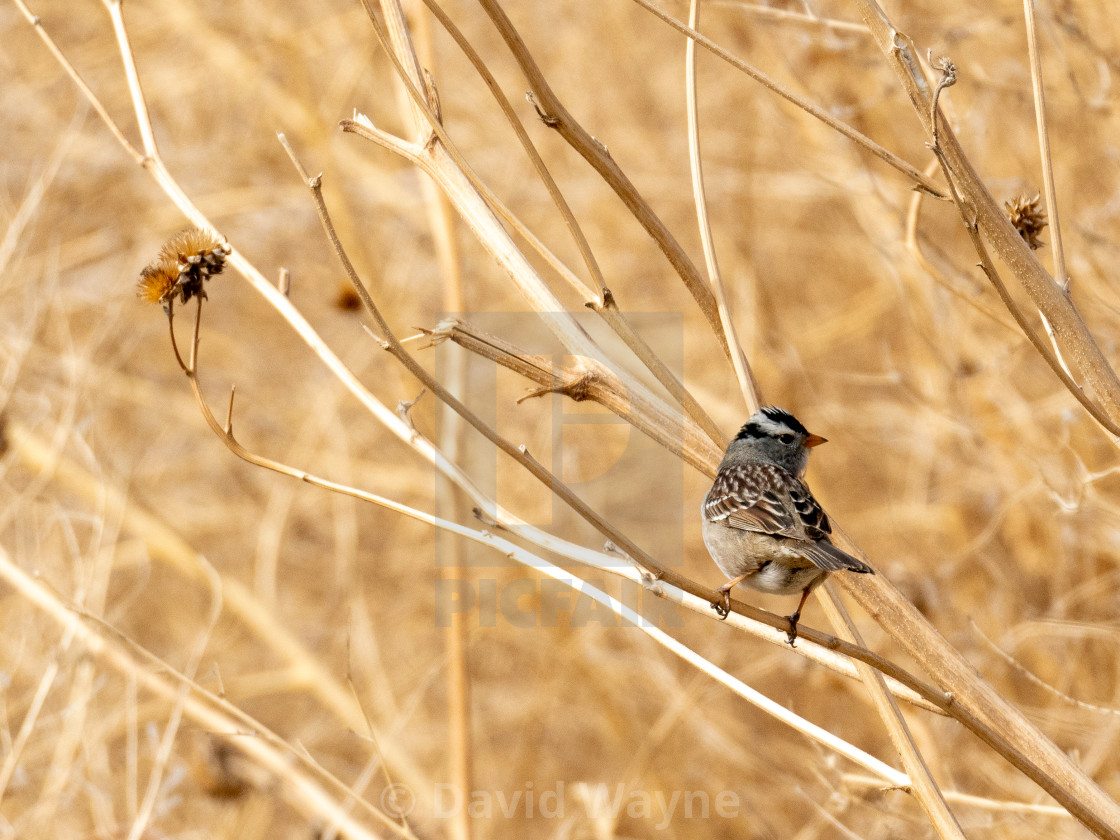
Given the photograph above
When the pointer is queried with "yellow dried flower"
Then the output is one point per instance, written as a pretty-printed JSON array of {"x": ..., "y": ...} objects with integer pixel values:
[
  {"x": 188, "y": 259},
  {"x": 1029, "y": 219},
  {"x": 157, "y": 283}
]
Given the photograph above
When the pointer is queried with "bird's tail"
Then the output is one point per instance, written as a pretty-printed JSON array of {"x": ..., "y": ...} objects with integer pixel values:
[{"x": 829, "y": 557}]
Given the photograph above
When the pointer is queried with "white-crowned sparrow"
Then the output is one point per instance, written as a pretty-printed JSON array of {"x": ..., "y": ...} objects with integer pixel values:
[{"x": 762, "y": 526}]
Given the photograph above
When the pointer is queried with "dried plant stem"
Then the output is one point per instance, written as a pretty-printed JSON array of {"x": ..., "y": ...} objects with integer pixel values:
[
  {"x": 922, "y": 785},
  {"x": 579, "y": 381},
  {"x": 27, "y": 726},
  {"x": 785, "y": 16},
  {"x": 1048, "y": 190},
  {"x": 982, "y": 802},
  {"x": 460, "y": 757},
  {"x": 748, "y": 385},
  {"x": 1061, "y": 276}
]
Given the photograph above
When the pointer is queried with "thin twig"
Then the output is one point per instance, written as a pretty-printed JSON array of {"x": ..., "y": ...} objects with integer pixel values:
[
  {"x": 76, "y": 77},
  {"x": 748, "y": 385},
  {"x": 907, "y": 169},
  {"x": 1048, "y": 189},
  {"x": 786, "y": 16}
]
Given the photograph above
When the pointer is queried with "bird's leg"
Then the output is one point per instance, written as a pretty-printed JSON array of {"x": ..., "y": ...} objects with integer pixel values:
[
  {"x": 723, "y": 606},
  {"x": 793, "y": 619}
]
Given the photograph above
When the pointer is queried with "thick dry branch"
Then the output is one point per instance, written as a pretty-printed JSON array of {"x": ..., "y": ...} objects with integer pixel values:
[{"x": 581, "y": 379}]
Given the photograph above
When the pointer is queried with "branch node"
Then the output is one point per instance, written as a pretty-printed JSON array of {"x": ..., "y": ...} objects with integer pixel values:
[
  {"x": 405, "y": 406},
  {"x": 431, "y": 96},
  {"x": 485, "y": 518},
  {"x": 539, "y": 392},
  {"x": 577, "y": 387},
  {"x": 948, "y": 78},
  {"x": 545, "y": 117}
]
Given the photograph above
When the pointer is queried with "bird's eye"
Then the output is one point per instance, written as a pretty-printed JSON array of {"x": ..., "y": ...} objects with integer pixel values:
[{"x": 787, "y": 438}]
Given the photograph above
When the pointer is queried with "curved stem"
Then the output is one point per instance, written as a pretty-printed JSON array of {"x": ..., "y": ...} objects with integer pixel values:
[{"x": 748, "y": 385}]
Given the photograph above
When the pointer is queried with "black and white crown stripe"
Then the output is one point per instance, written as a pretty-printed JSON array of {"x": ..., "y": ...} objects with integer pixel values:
[{"x": 779, "y": 421}]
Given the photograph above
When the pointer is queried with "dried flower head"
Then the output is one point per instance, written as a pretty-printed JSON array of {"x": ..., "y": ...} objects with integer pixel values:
[
  {"x": 189, "y": 258},
  {"x": 1029, "y": 219}
]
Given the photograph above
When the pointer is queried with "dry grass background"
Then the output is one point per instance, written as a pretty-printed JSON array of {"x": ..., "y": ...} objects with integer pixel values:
[{"x": 958, "y": 462}]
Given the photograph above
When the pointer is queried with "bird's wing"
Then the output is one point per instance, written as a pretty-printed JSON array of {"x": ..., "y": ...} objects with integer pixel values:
[
  {"x": 751, "y": 497},
  {"x": 768, "y": 499}
]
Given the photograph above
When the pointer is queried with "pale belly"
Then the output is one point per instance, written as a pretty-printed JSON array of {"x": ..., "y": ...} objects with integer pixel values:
[{"x": 773, "y": 566}]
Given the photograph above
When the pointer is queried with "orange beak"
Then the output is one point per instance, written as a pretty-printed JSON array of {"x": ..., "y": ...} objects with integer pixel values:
[{"x": 814, "y": 440}]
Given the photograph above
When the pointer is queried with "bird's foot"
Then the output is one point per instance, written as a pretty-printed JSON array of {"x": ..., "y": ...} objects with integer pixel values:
[
  {"x": 723, "y": 605},
  {"x": 791, "y": 634}
]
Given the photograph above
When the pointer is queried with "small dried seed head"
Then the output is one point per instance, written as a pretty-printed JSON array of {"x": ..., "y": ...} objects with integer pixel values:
[
  {"x": 1029, "y": 219},
  {"x": 347, "y": 299},
  {"x": 188, "y": 259}
]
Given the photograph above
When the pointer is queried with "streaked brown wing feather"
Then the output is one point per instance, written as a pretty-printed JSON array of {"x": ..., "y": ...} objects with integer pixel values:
[
  {"x": 750, "y": 497},
  {"x": 767, "y": 499}
]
